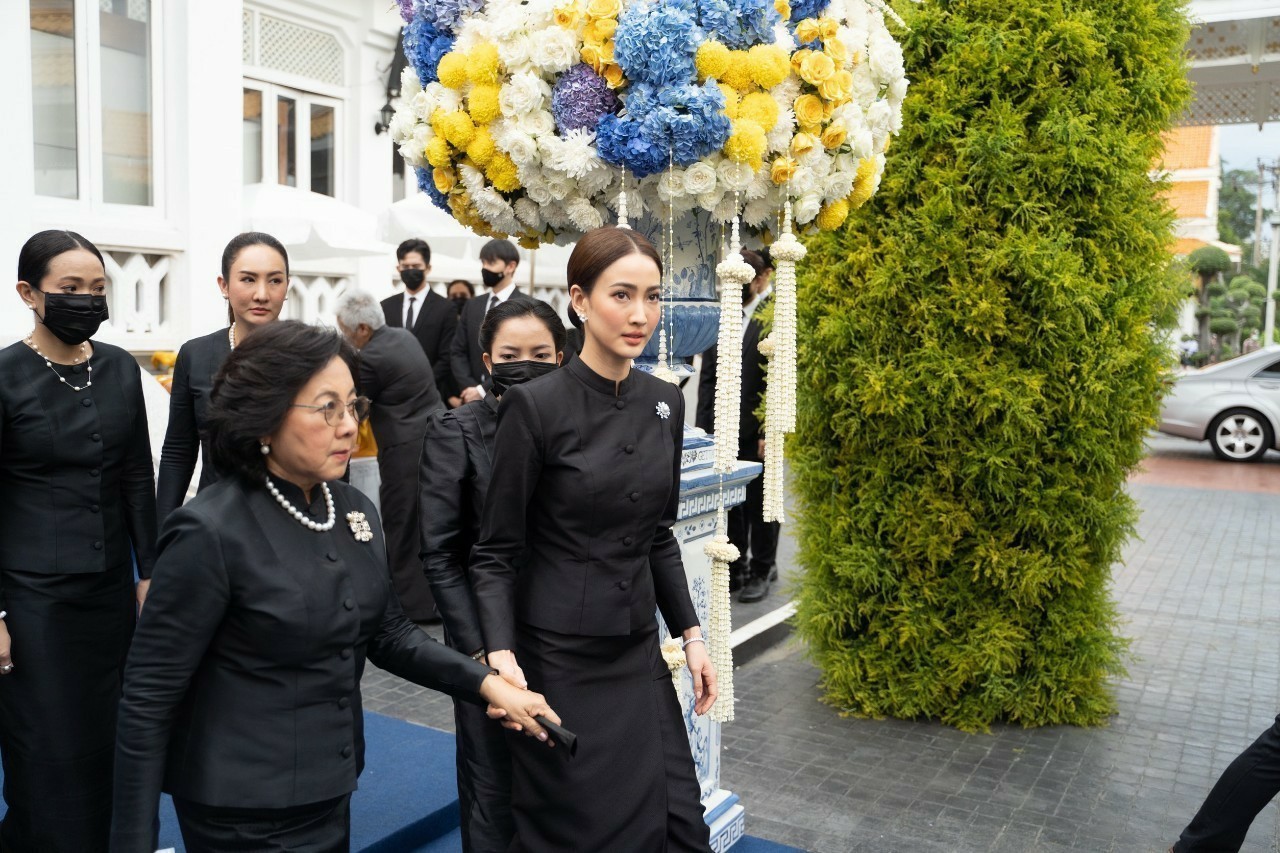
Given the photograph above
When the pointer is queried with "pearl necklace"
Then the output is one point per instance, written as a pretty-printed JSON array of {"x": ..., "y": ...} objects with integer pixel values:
[
  {"x": 302, "y": 518},
  {"x": 84, "y": 352}
]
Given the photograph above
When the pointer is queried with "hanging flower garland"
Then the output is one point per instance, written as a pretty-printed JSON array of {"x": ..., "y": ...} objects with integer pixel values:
[
  {"x": 780, "y": 349},
  {"x": 722, "y": 552}
]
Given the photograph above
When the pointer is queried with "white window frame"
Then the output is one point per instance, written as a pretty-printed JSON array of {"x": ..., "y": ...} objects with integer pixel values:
[
  {"x": 90, "y": 194},
  {"x": 304, "y": 100}
]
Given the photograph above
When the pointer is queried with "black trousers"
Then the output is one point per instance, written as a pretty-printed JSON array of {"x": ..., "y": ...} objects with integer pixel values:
[
  {"x": 70, "y": 636},
  {"x": 398, "y": 496},
  {"x": 747, "y": 528},
  {"x": 1245, "y": 787},
  {"x": 314, "y": 828}
]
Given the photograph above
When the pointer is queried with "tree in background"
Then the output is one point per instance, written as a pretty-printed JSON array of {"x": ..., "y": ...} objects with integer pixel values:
[
  {"x": 1237, "y": 208},
  {"x": 1236, "y": 312},
  {"x": 981, "y": 362},
  {"x": 1208, "y": 263}
]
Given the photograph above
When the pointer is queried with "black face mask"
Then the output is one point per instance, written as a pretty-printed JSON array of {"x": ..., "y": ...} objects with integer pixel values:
[
  {"x": 510, "y": 373},
  {"x": 490, "y": 277},
  {"x": 74, "y": 317},
  {"x": 458, "y": 302},
  {"x": 413, "y": 278}
]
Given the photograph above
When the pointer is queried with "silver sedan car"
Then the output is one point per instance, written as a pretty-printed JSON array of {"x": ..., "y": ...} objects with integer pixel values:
[{"x": 1233, "y": 405}]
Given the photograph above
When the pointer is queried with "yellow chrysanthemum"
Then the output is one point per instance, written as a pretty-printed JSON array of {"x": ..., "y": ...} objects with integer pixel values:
[
  {"x": 864, "y": 184},
  {"x": 444, "y": 179},
  {"x": 452, "y": 70},
  {"x": 599, "y": 31},
  {"x": 604, "y": 8},
  {"x": 502, "y": 173},
  {"x": 807, "y": 30},
  {"x": 783, "y": 170},
  {"x": 809, "y": 111},
  {"x": 761, "y": 109},
  {"x": 816, "y": 67},
  {"x": 438, "y": 152},
  {"x": 837, "y": 89},
  {"x": 458, "y": 128},
  {"x": 833, "y": 215},
  {"x": 482, "y": 63},
  {"x": 837, "y": 50},
  {"x": 746, "y": 143},
  {"x": 803, "y": 143},
  {"x": 482, "y": 103},
  {"x": 738, "y": 74},
  {"x": 612, "y": 75},
  {"x": 769, "y": 65},
  {"x": 833, "y": 135},
  {"x": 568, "y": 16},
  {"x": 481, "y": 149},
  {"x": 712, "y": 60},
  {"x": 784, "y": 9}
]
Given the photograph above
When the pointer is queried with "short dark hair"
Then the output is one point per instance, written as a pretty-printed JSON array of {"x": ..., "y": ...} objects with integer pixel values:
[
  {"x": 414, "y": 244},
  {"x": 255, "y": 387},
  {"x": 471, "y": 288},
  {"x": 514, "y": 308},
  {"x": 240, "y": 242},
  {"x": 39, "y": 251},
  {"x": 599, "y": 248},
  {"x": 500, "y": 250}
]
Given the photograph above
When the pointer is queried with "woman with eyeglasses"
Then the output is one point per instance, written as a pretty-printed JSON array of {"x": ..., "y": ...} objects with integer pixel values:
[
  {"x": 254, "y": 282},
  {"x": 242, "y": 690},
  {"x": 76, "y": 497}
]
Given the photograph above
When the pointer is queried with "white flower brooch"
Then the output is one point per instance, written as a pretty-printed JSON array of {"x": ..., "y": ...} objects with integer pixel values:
[
  {"x": 359, "y": 526},
  {"x": 664, "y": 411}
]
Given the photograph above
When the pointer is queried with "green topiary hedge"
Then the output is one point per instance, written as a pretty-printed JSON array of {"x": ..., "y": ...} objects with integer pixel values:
[{"x": 980, "y": 364}]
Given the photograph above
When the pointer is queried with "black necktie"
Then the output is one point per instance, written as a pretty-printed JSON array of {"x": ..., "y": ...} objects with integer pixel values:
[
  {"x": 493, "y": 300},
  {"x": 408, "y": 320}
]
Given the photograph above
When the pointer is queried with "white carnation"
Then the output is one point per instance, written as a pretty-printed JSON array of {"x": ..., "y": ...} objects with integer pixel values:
[
  {"x": 779, "y": 139},
  {"x": 402, "y": 124},
  {"x": 444, "y": 98},
  {"x": 699, "y": 178}
]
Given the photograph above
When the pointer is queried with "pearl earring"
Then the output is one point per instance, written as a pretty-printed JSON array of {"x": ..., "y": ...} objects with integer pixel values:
[
  {"x": 266, "y": 448},
  {"x": 582, "y": 317}
]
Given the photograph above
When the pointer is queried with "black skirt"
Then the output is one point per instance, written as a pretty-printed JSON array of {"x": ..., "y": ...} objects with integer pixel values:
[
  {"x": 323, "y": 827},
  {"x": 632, "y": 787},
  {"x": 58, "y": 707}
]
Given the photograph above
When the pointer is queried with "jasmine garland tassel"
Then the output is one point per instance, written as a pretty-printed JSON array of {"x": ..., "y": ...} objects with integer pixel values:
[
  {"x": 722, "y": 552},
  {"x": 780, "y": 410},
  {"x": 733, "y": 272}
]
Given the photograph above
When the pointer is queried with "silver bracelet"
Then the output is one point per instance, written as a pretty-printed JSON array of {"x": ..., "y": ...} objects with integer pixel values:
[{"x": 686, "y": 643}]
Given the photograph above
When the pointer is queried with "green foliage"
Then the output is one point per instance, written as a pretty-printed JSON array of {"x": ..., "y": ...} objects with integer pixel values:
[
  {"x": 1237, "y": 207},
  {"x": 980, "y": 365},
  {"x": 1208, "y": 261}
]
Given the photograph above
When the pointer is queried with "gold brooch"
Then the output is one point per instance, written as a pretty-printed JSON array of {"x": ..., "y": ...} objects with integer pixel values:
[{"x": 359, "y": 526}]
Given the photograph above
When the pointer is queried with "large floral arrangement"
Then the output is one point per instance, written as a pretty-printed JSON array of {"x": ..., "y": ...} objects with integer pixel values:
[{"x": 529, "y": 117}]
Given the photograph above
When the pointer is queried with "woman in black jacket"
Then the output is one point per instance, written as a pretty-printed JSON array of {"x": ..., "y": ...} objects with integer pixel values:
[
  {"x": 242, "y": 693},
  {"x": 576, "y": 550},
  {"x": 254, "y": 282},
  {"x": 519, "y": 341},
  {"x": 76, "y": 497}
]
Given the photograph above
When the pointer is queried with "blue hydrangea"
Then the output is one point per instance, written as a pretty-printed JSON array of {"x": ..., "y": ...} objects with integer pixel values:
[
  {"x": 802, "y": 9},
  {"x": 423, "y": 47},
  {"x": 448, "y": 15},
  {"x": 428, "y": 185},
  {"x": 580, "y": 98},
  {"x": 676, "y": 123},
  {"x": 739, "y": 24},
  {"x": 656, "y": 43}
]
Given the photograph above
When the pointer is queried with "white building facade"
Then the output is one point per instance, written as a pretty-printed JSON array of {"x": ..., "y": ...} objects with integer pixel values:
[{"x": 156, "y": 128}]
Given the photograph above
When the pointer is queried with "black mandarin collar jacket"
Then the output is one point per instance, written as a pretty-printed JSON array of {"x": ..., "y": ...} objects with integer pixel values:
[
  {"x": 242, "y": 687},
  {"x": 576, "y": 534}
]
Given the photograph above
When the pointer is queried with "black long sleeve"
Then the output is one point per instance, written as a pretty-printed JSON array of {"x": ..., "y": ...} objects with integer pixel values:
[
  {"x": 459, "y": 353},
  {"x": 181, "y": 440},
  {"x": 138, "y": 486},
  {"x": 670, "y": 586}
]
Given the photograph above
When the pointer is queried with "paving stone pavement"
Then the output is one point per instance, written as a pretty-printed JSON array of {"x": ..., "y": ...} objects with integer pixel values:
[{"x": 1204, "y": 680}]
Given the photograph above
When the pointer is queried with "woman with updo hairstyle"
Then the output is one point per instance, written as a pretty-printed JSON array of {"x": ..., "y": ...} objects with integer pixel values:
[
  {"x": 242, "y": 691},
  {"x": 519, "y": 341},
  {"x": 576, "y": 550},
  {"x": 254, "y": 282},
  {"x": 77, "y": 508}
]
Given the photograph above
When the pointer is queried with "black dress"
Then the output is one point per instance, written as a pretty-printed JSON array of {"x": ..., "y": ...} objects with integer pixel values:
[
  {"x": 576, "y": 549},
  {"x": 453, "y": 480},
  {"x": 242, "y": 692},
  {"x": 198, "y": 361},
  {"x": 76, "y": 498}
]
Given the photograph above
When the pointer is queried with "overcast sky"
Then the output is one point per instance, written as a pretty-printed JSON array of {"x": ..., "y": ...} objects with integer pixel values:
[{"x": 1243, "y": 144}]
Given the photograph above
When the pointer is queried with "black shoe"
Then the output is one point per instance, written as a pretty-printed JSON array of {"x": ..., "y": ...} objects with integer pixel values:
[
  {"x": 773, "y": 574},
  {"x": 755, "y": 590}
]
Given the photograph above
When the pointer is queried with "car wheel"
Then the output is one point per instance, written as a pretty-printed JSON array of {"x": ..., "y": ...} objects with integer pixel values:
[{"x": 1240, "y": 435}]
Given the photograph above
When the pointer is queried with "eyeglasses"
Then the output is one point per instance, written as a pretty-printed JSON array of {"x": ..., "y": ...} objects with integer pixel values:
[{"x": 333, "y": 410}]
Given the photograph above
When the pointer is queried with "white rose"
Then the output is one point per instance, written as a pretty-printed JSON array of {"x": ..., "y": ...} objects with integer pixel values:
[
  {"x": 839, "y": 184},
  {"x": 862, "y": 143},
  {"x": 803, "y": 181},
  {"x": 557, "y": 50},
  {"x": 539, "y": 193},
  {"x": 699, "y": 178},
  {"x": 560, "y": 187},
  {"x": 523, "y": 94},
  {"x": 413, "y": 154},
  {"x": 709, "y": 200},
  {"x": 865, "y": 88},
  {"x": 409, "y": 83},
  {"x": 884, "y": 55},
  {"x": 520, "y": 147},
  {"x": 537, "y": 123},
  {"x": 516, "y": 52},
  {"x": 735, "y": 176},
  {"x": 807, "y": 207},
  {"x": 670, "y": 185}
]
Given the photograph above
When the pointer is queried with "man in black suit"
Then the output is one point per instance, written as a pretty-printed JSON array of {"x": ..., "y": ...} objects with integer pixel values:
[
  {"x": 432, "y": 318},
  {"x": 498, "y": 262},
  {"x": 747, "y": 526},
  {"x": 397, "y": 378}
]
